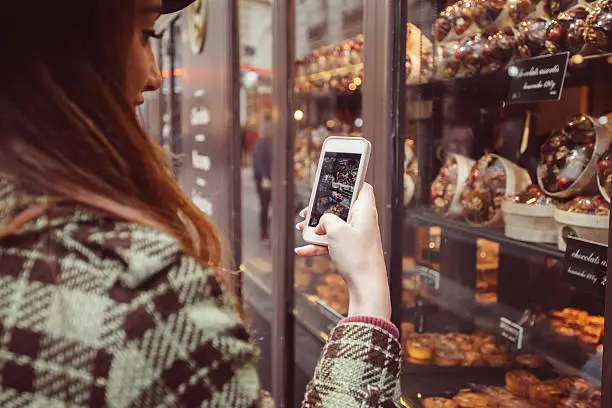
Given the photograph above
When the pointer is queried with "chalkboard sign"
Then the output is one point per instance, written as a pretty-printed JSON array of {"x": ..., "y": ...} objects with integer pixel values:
[
  {"x": 513, "y": 332},
  {"x": 537, "y": 79},
  {"x": 586, "y": 265}
]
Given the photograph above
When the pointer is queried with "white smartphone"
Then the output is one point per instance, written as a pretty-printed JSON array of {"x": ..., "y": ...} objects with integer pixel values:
[{"x": 342, "y": 168}]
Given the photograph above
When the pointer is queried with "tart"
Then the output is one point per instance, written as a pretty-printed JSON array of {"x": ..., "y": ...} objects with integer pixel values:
[
  {"x": 574, "y": 386},
  {"x": 545, "y": 393},
  {"x": 530, "y": 360},
  {"x": 447, "y": 358},
  {"x": 420, "y": 347},
  {"x": 471, "y": 400},
  {"x": 497, "y": 359},
  {"x": 519, "y": 381},
  {"x": 437, "y": 402},
  {"x": 473, "y": 359}
]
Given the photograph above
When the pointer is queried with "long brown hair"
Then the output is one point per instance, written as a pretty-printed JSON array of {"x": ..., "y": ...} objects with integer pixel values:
[{"x": 67, "y": 128}]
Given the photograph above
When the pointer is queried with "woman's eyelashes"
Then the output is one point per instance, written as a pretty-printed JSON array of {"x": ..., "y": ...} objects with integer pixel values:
[{"x": 148, "y": 34}]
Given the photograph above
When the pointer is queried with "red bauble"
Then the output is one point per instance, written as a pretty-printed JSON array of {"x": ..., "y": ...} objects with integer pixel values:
[
  {"x": 564, "y": 182},
  {"x": 605, "y": 164},
  {"x": 556, "y": 34}
]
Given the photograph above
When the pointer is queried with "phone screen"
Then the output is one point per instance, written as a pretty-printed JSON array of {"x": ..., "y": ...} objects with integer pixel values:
[{"x": 336, "y": 186}]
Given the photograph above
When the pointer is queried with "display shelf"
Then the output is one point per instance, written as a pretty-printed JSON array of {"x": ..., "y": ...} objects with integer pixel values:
[
  {"x": 561, "y": 353},
  {"x": 426, "y": 216},
  {"x": 310, "y": 311},
  {"x": 580, "y": 72}
]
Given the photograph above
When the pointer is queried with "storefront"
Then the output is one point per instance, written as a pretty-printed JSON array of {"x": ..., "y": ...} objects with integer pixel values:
[{"x": 490, "y": 135}]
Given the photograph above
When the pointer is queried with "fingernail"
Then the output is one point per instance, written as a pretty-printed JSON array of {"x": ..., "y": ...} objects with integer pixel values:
[
  {"x": 297, "y": 227},
  {"x": 296, "y": 250}
]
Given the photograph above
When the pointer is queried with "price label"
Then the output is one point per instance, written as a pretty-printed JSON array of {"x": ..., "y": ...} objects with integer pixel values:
[
  {"x": 537, "y": 79},
  {"x": 586, "y": 265},
  {"x": 429, "y": 277},
  {"x": 511, "y": 331}
]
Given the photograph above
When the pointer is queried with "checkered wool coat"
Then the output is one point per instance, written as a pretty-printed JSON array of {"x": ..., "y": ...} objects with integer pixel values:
[{"x": 96, "y": 312}]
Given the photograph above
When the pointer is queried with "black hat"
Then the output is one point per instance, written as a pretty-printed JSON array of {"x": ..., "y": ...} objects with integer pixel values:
[{"x": 171, "y": 6}]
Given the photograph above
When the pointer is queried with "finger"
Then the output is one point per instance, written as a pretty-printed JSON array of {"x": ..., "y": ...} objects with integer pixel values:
[
  {"x": 304, "y": 212},
  {"x": 366, "y": 198},
  {"x": 311, "y": 250},
  {"x": 300, "y": 226},
  {"x": 329, "y": 224}
]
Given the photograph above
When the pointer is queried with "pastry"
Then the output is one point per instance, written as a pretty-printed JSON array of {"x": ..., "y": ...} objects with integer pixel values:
[
  {"x": 303, "y": 279},
  {"x": 593, "y": 330},
  {"x": 447, "y": 358},
  {"x": 566, "y": 331},
  {"x": 334, "y": 280},
  {"x": 473, "y": 359},
  {"x": 573, "y": 403},
  {"x": 416, "y": 361},
  {"x": 545, "y": 393},
  {"x": 438, "y": 403},
  {"x": 496, "y": 359},
  {"x": 420, "y": 347},
  {"x": 589, "y": 339},
  {"x": 530, "y": 360},
  {"x": 339, "y": 306},
  {"x": 574, "y": 386},
  {"x": 471, "y": 400},
  {"x": 596, "y": 320},
  {"x": 519, "y": 381}
]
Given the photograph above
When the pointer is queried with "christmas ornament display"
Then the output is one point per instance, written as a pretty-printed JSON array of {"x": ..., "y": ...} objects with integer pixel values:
[
  {"x": 411, "y": 171},
  {"x": 419, "y": 57},
  {"x": 529, "y": 216},
  {"x": 447, "y": 186},
  {"x": 584, "y": 217},
  {"x": 531, "y": 37},
  {"x": 491, "y": 179},
  {"x": 568, "y": 159},
  {"x": 566, "y": 32},
  {"x": 604, "y": 175},
  {"x": 598, "y": 30},
  {"x": 331, "y": 67}
]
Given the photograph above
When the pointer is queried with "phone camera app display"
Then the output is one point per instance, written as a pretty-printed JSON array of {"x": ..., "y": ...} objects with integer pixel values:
[{"x": 336, "y": 186}]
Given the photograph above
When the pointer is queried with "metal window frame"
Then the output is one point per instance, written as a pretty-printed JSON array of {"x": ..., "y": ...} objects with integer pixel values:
[
  {"x": 283, "y": 322},
  {"x": 384, "y": 125}
]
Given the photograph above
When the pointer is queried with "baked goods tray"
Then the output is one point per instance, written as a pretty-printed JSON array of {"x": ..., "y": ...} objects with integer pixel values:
[
  {"x": 463, "y": 372},
  {"x": 416, "y": 388},
  {"x": 426, "y": 216}
]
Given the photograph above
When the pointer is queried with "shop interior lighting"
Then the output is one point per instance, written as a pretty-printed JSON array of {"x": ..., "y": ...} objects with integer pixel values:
[
  {"x": 358, "y": 123},
  {"x": 298, "y": 115}
]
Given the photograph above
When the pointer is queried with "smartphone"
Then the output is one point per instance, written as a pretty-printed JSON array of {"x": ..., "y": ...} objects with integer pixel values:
[{"x": 342, "y": 168}]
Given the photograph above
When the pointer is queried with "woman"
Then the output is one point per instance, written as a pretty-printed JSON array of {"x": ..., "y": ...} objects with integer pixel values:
[{"x": 110, "y": 292}]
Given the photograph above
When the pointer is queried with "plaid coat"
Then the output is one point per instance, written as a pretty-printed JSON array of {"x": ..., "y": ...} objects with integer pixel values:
[{"x": 95, "y": 312}]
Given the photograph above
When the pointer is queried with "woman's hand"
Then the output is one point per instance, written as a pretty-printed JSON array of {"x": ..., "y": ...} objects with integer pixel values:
[{"x": 356, "y": 249}]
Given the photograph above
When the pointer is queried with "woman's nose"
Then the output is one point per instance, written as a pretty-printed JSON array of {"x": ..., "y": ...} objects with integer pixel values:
[{"x": 154, "y": 81}]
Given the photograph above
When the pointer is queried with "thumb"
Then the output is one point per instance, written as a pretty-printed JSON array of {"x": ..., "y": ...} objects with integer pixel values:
[{"x": 329, "y": 224}]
